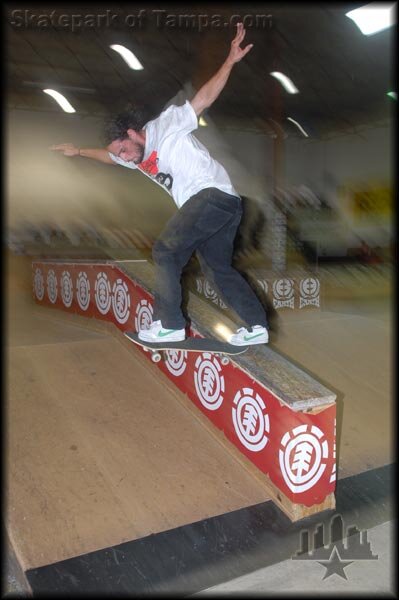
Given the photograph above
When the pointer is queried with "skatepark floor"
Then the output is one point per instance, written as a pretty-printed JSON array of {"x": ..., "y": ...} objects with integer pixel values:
[{"x": 101, "y": 460}]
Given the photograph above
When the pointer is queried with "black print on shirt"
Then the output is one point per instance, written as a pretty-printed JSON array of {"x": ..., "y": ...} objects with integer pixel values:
[{"x": 164, "y": 179}]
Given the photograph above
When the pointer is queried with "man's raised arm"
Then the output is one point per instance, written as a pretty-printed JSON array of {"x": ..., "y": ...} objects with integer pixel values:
[
  {"x": 99, "y": 154},
  {"x": 208, "y": 93}
]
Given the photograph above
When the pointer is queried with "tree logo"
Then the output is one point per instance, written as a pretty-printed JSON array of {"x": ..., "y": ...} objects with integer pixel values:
[
  {"x": 263, "y": 284},
  {"x": 66, "y": 288},
  {"x": 102, "y": 293},
  {"x": 121, "y": 301},
  {"x": 303, "y": 455},
  {"x": 83, "y": 290},
  {"x": 209, "y": 384},
  {"x": 310, "y": 292},
  {"x": 52, "y": 290},
  {"x": 143, "y": 318},
  {"x": 39, "y": 284},
  {"x": 283, "y": 290},
  {"x": 209, "y": 292},
  {"x": 250, "y": 419},
  {"x": 176, "y": 362}
]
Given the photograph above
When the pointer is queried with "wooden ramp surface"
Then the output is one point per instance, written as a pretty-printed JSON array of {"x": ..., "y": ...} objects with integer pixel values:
[
  {"x": 101, "y": 448},
  {"x": 94, "y": 460}
]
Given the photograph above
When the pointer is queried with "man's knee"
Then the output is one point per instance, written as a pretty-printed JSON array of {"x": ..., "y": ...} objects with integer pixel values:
[
  {"x": 162, "y": 252},
  {"x": 158, "y": 251}
]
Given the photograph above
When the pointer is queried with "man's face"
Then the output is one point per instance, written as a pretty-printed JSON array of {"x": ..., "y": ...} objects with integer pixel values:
[{"x": 128, "y": 149}]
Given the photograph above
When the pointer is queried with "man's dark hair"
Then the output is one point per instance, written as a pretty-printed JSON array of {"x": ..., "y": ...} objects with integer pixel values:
[{"x": 115, "y": 128}]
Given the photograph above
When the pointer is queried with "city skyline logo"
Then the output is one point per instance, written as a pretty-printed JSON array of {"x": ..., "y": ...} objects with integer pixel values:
[{"x": 340, "y": 552}]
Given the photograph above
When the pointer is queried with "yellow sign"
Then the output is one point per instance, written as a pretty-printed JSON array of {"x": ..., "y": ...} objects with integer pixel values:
[{"x": 372, "y": 202}]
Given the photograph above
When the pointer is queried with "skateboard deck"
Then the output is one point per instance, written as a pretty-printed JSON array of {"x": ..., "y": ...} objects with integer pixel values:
[{"x": 190, "y": 344}]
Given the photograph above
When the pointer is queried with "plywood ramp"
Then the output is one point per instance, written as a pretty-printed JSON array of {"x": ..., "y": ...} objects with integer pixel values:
[
  {"x": 101, "y": 449},
  {"x": 353, "y": 351}
]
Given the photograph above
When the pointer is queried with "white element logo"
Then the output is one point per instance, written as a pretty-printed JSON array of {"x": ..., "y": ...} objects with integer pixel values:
[
  {"x": 83, "y": 290},
  {"x": 102, "y": 293},
  {"x": 199, "y": 285},
  {"x": 143, "y": 318},
  {"x": 251, "y": 422},
  {"x": 283, "y": 290},
  {"x": 334, "y": 468},
  {"x": 209, "y": 384},
  {"x": 209, "y": 292},
  {"x": 39, "y": 284},
  {"x": 66, "y": 288},
  {"x": 52, "y": 289},
  {"x": 121, "y": 301},
  {"x": 263, "y": 285},
  {"x": 310, "y": 292},
  {"x": 176, "y": 362},
  {"x": 303, "y": 457}
]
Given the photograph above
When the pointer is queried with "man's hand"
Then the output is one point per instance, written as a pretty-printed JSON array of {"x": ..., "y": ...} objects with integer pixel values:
[
  {"x": 66, "y": 149},
  {"x": 211, "y": 90},
  {"x": 237, "y": 53},
  {"x": 100, "y": 154}
]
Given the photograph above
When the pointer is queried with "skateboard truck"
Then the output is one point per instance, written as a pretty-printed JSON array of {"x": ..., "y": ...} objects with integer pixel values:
[{"x": 156, "y": 356}]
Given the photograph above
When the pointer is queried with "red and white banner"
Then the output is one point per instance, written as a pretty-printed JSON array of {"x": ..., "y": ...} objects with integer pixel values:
[{"x": 295, "y": 449}]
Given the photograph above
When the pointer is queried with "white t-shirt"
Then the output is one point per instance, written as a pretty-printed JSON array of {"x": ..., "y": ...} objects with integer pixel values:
[{"x": 175, "y": 159}]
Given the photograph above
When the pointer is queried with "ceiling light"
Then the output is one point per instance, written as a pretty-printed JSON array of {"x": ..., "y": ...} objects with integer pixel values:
[
  {"x": 202, "y": 122},
  {"x": 373, "y": 17},
  {"x": 392, "y": 95},
  {"x": 62, "y": 101},
  {"x": 298, "y": 125},
  {"x": 285, "y": 82},
  {"x": 128, "y": 57}
]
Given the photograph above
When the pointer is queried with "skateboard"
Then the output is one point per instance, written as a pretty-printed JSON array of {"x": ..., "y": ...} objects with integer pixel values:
[{"x": 191, "y": 344}]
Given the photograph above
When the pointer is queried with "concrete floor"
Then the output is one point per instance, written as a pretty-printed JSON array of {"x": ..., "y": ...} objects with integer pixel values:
[{"x": 293, "y": 578}]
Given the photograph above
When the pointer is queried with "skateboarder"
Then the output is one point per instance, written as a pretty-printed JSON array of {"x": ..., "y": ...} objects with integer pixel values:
[{"x": 209, "y": 212}]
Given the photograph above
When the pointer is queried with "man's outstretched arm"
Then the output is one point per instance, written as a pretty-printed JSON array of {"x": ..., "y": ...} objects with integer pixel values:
[
  {"x": 211, "y": 90},
  {"x": 99, "y": 154}
]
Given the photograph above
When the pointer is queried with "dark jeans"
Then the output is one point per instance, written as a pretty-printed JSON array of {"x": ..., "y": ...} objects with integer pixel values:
[{"x": 206, "y": 224}]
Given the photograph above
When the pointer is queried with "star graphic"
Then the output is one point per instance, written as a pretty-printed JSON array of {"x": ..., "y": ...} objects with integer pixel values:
[{"x": 335, "y": 565}]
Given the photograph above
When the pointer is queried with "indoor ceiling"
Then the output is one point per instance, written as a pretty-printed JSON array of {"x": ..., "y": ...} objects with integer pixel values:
[{"x": 342, "y": 76}]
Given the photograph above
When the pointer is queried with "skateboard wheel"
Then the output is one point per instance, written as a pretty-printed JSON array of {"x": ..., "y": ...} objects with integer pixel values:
[
  {"x": 225, "y": 361},
  {"x": 156, "y": 357}
]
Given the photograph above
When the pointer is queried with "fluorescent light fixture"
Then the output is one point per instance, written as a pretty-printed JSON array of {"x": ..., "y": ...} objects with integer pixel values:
[
  {"x": 62, "y": 101},
  {"x": 128, "y": 57},
  {"x": 298, "y": 125},
  {"x": 285, "y": 82},
  {"x": 202, "y": 122},
  {"x": 392, "y": 95},
  {"x": 373, "y": 17}
]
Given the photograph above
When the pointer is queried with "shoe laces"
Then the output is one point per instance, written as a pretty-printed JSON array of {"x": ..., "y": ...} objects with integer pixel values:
[{"x": 242, "y": 329}]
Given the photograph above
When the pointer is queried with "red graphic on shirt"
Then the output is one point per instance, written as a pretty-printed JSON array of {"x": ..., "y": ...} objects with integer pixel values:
[{"x": 150, "y": 165}]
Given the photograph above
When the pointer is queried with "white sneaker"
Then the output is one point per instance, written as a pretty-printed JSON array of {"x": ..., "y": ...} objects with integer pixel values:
[
  {"x": 156, "y": 334},
  {"x": 243, "y": 337}
]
